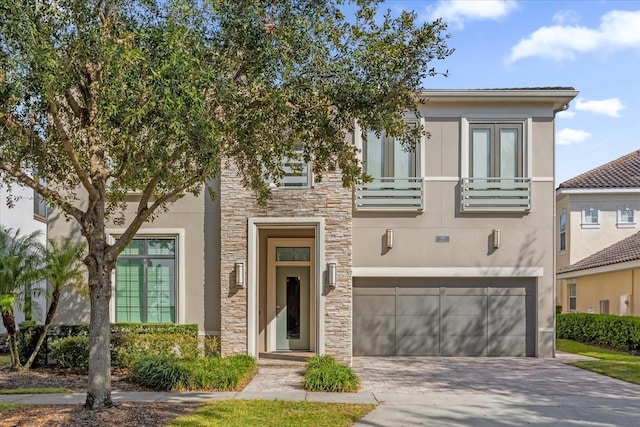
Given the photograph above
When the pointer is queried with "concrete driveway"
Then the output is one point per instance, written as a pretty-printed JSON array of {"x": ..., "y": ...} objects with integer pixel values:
[{"x": 493, "y": 392}]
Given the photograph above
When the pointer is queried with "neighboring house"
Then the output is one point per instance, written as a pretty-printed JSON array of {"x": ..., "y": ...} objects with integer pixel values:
[
  {"x": 597, "y": 214},
  {"x": 28, "y": 214},
  {"x": 607, "y": 282},
  {"x": 449, "y": 251}
]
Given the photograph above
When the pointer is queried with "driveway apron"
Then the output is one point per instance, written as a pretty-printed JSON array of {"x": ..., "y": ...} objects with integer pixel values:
[{"x": 456, "y": 391}]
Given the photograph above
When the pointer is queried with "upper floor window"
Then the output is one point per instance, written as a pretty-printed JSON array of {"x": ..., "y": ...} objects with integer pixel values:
[
  {"x": 496, "y": 150},
  {"x": 626, "y": 218},
  {"x": 297, "y": 173},
  {"x": 590, "y": 217},
  {"x": 146, "y": 281},
  {"x": 386, "y": 156},
  {"x": 493, "y": 153},
  {"x": 563, "y": 230},
  {"x": 39, "y": 206}
]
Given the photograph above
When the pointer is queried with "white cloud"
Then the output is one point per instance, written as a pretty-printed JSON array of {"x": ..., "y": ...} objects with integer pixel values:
[
  {"x": 569, "y": 136},
  {"x": 568, "y": 114},
  {"x": 457, "y": 12},
  {"x": 609, "y": 107},
  {"x": 617, "y": 30},
  {"x": 566, "y": 17}
]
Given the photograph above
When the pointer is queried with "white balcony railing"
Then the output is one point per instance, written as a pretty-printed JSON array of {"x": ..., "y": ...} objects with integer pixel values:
[
  {"x": 496, "y": 194},
  {"x": 392, "y": 194}
]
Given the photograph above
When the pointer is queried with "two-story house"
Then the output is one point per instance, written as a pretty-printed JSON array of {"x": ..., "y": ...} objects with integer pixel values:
[
  {"x": 598, "y": 248},
  {"x": 448, "y": 251}
]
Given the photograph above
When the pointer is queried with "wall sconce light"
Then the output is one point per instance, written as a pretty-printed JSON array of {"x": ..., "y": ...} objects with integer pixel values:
[
  {"x": 389, "y": 238},
  {"x": 240, "y": 274},
  {"x": 496, "y": 238},
  {"x": 332, "y": 274}
]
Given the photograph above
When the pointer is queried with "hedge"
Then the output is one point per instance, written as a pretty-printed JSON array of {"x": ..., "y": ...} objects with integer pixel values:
[
  {"x": 29, "y": 332},
  {"x": 617, "y": 332}
]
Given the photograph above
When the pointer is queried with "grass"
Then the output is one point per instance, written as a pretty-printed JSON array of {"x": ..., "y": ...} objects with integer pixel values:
[
  {"x": 324, "y": 373},
  {"x": 6, "y": 407},
  {"x": 5, "y": 360},
  {"x": 265, "y": 413},
  {"x": 615, "y": 364},
  {"x": 35, "y": 390},
  {"x": 199, "y": 373}
]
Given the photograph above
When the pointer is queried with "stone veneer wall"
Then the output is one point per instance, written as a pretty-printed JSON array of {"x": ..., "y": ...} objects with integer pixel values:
[{"x": 326, "y": 199}]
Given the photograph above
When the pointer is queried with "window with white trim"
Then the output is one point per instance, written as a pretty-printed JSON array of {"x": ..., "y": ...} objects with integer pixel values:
[
  {"x": 626, "y": 217},
  {"x": 573, "y": 296},
  {"x": 590, "y": 217},
  {"x": 297, "y": 172},
  {"x": 146, "y": 281},
  {"x": 563, "y": 230}
]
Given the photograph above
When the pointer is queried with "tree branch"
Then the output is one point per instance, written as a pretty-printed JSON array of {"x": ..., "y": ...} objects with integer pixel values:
[
  {"x": 66, "y": 143},
  {"x": 9, "y": 121},
  {"x": 78, "y": 111},
  {"x": 141, "y": 217},
  {"x": 25, "y": 179}
]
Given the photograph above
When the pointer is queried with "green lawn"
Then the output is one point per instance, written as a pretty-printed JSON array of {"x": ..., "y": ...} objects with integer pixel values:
[
  {"x": 611, "y": 363},
  {"x": 277, "y": 413}
]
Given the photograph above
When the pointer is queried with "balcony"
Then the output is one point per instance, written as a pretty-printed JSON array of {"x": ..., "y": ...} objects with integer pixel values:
[
  {"x": 390, "y": 194},
  {"x": 496, "y": 195}
]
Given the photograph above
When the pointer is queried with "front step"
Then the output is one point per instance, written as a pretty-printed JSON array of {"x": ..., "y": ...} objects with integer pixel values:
[{"x": 284, "y": 359}]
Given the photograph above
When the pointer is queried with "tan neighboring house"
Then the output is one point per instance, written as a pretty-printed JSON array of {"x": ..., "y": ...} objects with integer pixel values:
[
  {"x": 449, "y": 251},
  {"x": 598, "y": 246}
]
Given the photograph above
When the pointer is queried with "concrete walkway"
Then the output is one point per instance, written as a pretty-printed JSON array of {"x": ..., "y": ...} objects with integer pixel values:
[{"x": 454, "y": 392}]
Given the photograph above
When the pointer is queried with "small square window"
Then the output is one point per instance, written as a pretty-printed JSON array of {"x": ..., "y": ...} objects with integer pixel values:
[
  {"x": 626, "y": 217},
  {"x": 590, "y": 218}
]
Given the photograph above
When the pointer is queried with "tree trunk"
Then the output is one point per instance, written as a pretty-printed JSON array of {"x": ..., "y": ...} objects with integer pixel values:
[
  {"x": 55, "y": 300},
  {"x": 9, "y": 322},
  {"x": 99, "y": 391}
]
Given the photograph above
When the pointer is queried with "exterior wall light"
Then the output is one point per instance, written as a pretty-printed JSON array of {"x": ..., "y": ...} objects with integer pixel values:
[
  {"x": 496, "y": 238},
  {"x": 240, "y": 274},
  {"x": 389, "y": 238},
  {"x": 332, "y": 274}
]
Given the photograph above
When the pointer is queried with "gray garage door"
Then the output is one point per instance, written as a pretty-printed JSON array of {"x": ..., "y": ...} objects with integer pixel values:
[{"x": 401, "y": 317}]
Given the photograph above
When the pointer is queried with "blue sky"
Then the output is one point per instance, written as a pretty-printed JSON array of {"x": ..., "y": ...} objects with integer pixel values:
[{"x": 591, "y": 45}]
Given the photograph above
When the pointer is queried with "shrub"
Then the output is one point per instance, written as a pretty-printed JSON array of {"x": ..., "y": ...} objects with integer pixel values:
[
  {"x": 194, "y": 373},
  {"x": 71, "y": 352},
  {"x": 28, "y": 336},
  {"x": 212, "y": 345},
  {"x": 29, "y": 333},
  {"x": 324, "y": 373},
  {"x": 127, "y": 347},
  {"x": 616, "y": 332}
]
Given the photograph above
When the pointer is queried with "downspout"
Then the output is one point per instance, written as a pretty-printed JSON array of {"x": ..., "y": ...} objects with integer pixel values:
[{"x": 565, "y": 107}]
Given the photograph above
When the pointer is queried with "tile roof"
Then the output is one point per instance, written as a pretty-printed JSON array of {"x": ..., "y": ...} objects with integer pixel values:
[
  {"x": 623, "y": 251},
  {"x": 623, "y": 172}
]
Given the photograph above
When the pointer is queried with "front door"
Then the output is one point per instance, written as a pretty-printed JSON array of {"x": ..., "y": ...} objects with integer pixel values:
[
  {"x": 292, "y": 307},
  {"x": 291, "y": 294}
]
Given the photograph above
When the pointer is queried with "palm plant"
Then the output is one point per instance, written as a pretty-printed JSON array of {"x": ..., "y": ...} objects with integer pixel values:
[
  {"x": 21, "y": 262},
  {"x": 62, "y": 270}
]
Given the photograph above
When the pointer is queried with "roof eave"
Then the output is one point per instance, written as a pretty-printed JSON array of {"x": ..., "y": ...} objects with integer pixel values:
[{"x": 558, "y": 97}]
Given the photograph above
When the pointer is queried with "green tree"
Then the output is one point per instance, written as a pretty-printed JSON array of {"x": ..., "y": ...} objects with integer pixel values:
[
  {"x": 62, "y": 269},
  {"x": 21, "y": 264},
  {"x": 102, "y": 97}
]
